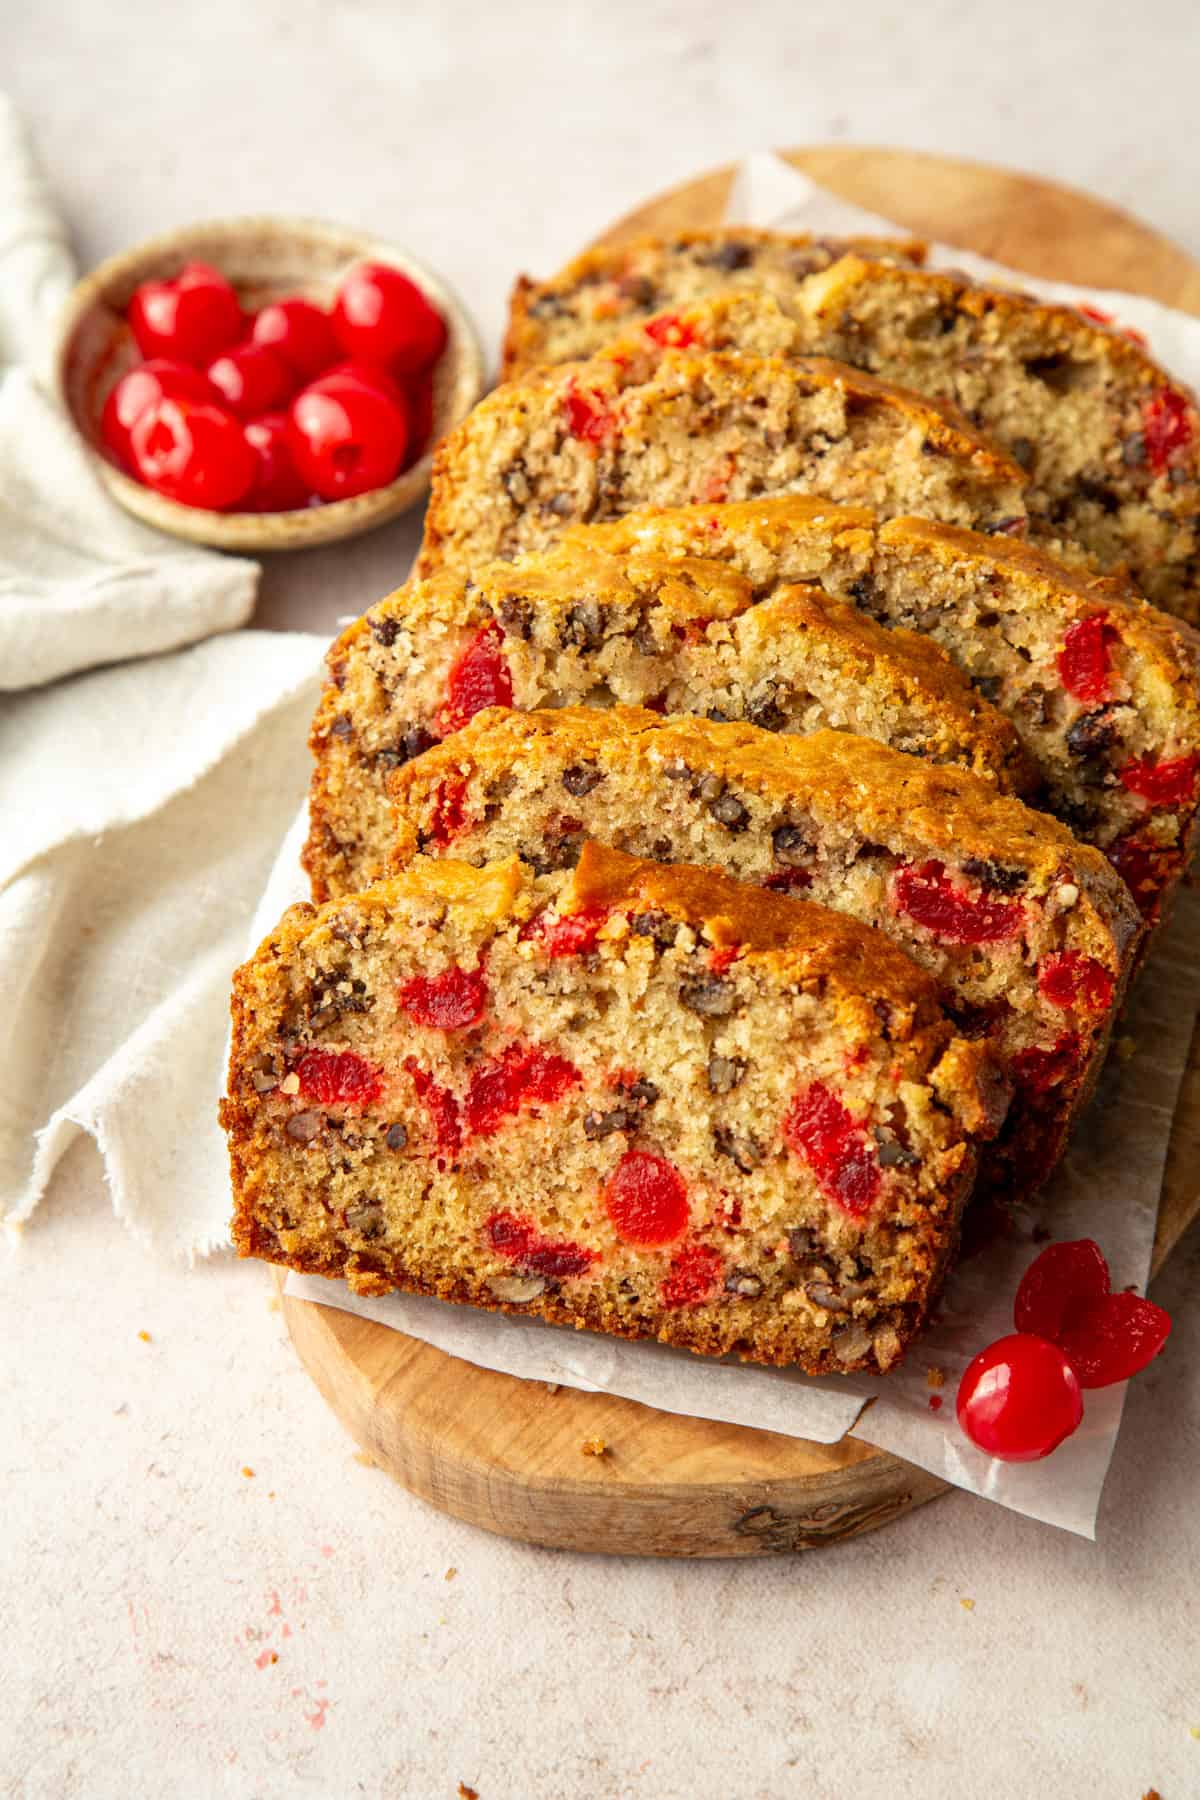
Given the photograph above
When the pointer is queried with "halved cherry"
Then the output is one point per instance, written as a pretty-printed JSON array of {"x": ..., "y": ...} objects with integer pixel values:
[
  {"x": 1115, "y": 1339},
  {"x": 646, "y": 1199},
  {"x": 1065, "y": 1281}
]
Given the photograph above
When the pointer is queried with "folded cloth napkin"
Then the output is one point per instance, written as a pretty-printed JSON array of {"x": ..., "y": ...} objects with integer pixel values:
[{"x": 81, "y": 582}]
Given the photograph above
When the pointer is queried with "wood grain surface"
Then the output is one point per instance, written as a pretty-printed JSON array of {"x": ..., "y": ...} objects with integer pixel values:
[{"x": 509, "y": 1455}]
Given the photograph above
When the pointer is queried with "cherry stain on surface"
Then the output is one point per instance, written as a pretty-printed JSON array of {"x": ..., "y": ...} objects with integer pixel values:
[
  {"x": 694, "y": 1275},
  {"x": 338, "y": 1078},
  {"x": 479, "y": 677},
  {"x": 447, "y": 1002},
  {"x": 646, "y": 1199},
  {"x": 822, "y": 1131},
  {"x": 1083, "y": 662},
  {"x": 1072, "y": 979},
  {"x": 926, "y": 894}
]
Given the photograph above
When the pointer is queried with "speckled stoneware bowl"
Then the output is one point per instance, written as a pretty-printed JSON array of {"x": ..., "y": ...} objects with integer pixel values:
[{"x": 266, "y": 259}]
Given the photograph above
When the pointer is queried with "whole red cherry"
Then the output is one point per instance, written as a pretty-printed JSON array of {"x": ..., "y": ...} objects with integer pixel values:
[
  {"x": 1019, "y": 1398},
  {"x": 346, "y": 438},
  {"x": 368, "y": 375},
  {"x": 381, "y": 316},
  {"x": 128, "y": 399},
  {"x": 189, "y": 319},
  {"x": 194, "y": 453},
  {"x": 301, "y": 333},
  {"x": 252, "y": 379},
  {"x": 277, "y": 483}
]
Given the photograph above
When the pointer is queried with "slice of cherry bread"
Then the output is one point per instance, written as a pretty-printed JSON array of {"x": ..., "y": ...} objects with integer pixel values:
[
  {"x": 589, "y": 442},
  {"x": 1110, "y": 440},
  {"x": 601, "y": 293},
  {"x": 1103, "y": 690},
  {"x": 1029, "y": 934},
  {"x": 576, "y": 625},
  {"x": 651, "y": 1101}
]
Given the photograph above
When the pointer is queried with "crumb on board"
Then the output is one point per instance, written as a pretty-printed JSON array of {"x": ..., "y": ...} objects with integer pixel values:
[
  {"x": 247, "y": 1471},
  {"x": 1124, "y": 1047},
  {"x": 967, "y": 1605},
  {"x": 450, "y": 1574},
  {"x": 935, "y": 1377},
  {"x": 594, "y": 1447},
  {"x": 274, "y": 1303},
  {"x": 145, "y": 1337}
]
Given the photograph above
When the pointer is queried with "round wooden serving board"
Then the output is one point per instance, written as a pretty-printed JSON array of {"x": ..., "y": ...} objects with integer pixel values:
[{"x": 507, "y": 1454}]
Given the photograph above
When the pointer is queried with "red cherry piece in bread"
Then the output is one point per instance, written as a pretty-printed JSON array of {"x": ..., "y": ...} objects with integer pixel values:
[
  {"x": 194, "y": 453},
  {"x": 1065, "y": 1280},
  {"x": 449, "y": 811},
  {"x": 695, "y": 1274},
  {"x": 672, "y": 332},
  {"x": 588, "y": 418},
  {"x": 572, "y": 935},
  {"x": 277, "y": 484},
  {"x": 1115, "y": 1338},
  {"x": 1084, "y": 663},
  {"x": 1143, "y": 868},
  {"x": 1166, "y": 427},
  {"x": 834, "y": 1145},
  {"x": 927, "y": 895},
  {"x": 189, "y": 319},
  {"x": 346, "y": 438},
  {"x": 251, "y": 380},
  {"x": 1072, "y": 979},
  {"x": 299, "y": 332},
  {"x": 479, "y": 677},
  {"x": 522, "y": 1076},
  {"x": 1019, "y": 1398},
  {"x": 1043, "y": 1066},
  {"x": 441, "y": 1106},
  {"x": 383, "y": 317},
  {"x": 646, "y": 1199},
  {"x": 338, "y": 1078},
  {"x": 158, "y": 379},
  {"x": 447, "y": 1002},
  {"x": 1169, "y": 783},
  {"x": 516, "y": 1237}
]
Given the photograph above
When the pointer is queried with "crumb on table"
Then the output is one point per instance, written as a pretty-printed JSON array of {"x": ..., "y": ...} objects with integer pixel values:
[{"x": 594, "y": 1447}]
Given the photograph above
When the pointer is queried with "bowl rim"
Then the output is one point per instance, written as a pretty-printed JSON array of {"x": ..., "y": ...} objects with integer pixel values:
[{"x": 266, "y": 531}]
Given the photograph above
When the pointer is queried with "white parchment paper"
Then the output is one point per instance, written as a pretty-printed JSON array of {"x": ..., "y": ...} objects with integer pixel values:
[{"x": 1107, "y": 1188}]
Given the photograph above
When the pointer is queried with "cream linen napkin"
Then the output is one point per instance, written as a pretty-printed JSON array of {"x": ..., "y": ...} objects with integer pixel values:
[
  {"x": 1108, "y": 1185},
  {"x": 80, "y": 581}
]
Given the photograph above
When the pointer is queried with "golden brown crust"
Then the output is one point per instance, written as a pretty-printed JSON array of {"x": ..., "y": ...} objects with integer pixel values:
[
  {"x": 465, "y": 501},
  {"x": 617, "y": 278}
]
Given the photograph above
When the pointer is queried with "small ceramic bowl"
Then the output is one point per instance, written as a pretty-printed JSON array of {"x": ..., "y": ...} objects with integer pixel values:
[{"x": 266, "y": 259}]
